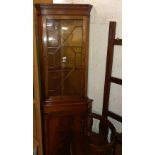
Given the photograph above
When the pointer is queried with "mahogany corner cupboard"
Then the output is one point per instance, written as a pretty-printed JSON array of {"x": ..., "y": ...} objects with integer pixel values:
[{"x": 62, "y": 32}]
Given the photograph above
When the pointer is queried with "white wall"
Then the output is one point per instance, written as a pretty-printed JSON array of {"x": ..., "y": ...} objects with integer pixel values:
[{"x": 103, "y": 11}]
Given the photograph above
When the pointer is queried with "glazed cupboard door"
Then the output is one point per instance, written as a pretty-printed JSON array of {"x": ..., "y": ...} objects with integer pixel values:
[{"x": 64, "y": 56}]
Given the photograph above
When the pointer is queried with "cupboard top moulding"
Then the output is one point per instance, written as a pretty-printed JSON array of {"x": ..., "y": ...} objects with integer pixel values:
[
  {"x": 63, "y": 38},
  {"x": 64, "y": 9}
]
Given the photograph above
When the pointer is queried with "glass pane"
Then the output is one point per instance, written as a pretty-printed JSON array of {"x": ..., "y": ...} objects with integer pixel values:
[
  {"x": 72, "y": 83},
  {"x": 71, "y": 57},
  {"x": 71, "y": 32},
  {"x": 52, "y": 33},
  {"x": 68, "y": 58},
  {"x": 64, "y": 48},
  {"x": 54, "y": 80},
  {"x": 54, "y": 57},
  {"x": 78, "y": 57}
]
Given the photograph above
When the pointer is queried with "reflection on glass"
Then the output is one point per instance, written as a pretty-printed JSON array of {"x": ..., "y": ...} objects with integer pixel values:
[
  {"x": 71, "y": 32},
  {"x": 52, "y": 33},
  {"x": 64, "y": 28}
]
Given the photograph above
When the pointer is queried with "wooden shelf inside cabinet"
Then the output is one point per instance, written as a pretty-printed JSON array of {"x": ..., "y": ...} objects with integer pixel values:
[
  {"x": 59, "y": 69},
  {"x": 55, "y": 47},
  {"x": 63, "y": 37}
]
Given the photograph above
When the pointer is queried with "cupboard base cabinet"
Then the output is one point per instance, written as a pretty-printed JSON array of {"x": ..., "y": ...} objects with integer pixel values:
[
  {"x": 62, "y": 32},
  {"x": 63, "y": 121}
]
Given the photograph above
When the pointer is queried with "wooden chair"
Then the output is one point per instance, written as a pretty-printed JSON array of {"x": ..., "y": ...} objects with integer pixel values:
[
  {"x": 91, "y": 143},
  {"x": 104, "y": 142}
]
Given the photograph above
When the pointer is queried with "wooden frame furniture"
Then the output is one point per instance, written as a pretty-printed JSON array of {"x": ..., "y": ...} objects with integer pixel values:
[
  {"x": 62, "y": 41},
  {"x": 92, "y": 143},
  {"x": 112, "y": 41},
  {"x": 108, "y": 77}
]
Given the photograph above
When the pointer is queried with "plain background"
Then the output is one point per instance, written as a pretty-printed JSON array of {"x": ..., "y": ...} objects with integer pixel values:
[{"x": 16, "y": 77}]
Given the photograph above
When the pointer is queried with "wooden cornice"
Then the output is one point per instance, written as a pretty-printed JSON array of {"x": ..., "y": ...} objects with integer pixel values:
[{"x": 63, "y": 9}]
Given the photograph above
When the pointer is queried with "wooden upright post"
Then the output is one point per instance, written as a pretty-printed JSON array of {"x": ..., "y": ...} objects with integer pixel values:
[{"x": 37, "y": 130}]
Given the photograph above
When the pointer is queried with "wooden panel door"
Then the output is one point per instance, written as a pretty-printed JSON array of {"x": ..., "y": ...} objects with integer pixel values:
[{"x": 63, "y": 36}]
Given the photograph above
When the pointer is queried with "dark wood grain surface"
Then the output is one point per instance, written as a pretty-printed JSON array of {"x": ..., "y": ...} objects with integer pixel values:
[{"x": 64, "y": 100}]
